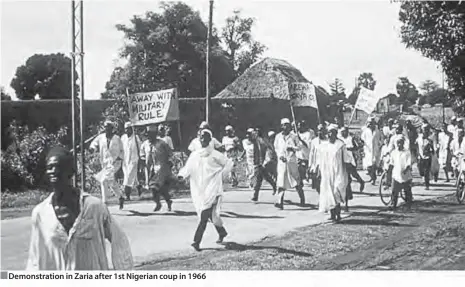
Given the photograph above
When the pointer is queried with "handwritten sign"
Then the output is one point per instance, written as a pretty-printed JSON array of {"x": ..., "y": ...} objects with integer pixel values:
[
  {"x": 367, "y": 100},
  {"x": 153, "y": 107},
  {"x": 302, "y": 95}
]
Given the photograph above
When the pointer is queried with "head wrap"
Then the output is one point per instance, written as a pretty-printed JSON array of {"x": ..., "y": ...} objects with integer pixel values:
[
  {"x": 228, "y": 128},
  {"x": 250, "y": 130},
  {"x": 391, "y": 121},
  {"x": 206, "y": 131},
  {"x": 108, "y": 123},
  {"x": 285, "y": 121},
  {"x": 332, "y": 127},
  {"x": 320, "y": 127},
  {"x": 453, "y": 118},
  {"x": 271, "y": 133},
  {"x": 127, "y": 125}
]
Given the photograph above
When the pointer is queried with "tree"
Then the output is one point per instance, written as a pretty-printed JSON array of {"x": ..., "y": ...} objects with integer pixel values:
[
  {"x": 5, "y": 96},
  {"x": 437, "y": 30},
  {"x": 365, "y": 80},
  {"x": 166, "y": 50},
  {"x": 408, "y": 93},
  {"x": 337, "y": 89},
  {"x": 239, "y": 44},
  {"x": 437, "y": 96},
  {"x": 48, "y": 76},
  {"x": 428, "y": 86}
]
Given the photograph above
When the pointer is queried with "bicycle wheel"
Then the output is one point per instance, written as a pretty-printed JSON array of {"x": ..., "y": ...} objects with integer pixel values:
[
  {"x": 460, "y": 189},
  {"x": 384, "y": 189}
]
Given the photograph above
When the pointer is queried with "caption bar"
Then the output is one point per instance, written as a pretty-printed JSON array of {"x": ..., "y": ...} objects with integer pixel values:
[{"x": 135, "y": 276}]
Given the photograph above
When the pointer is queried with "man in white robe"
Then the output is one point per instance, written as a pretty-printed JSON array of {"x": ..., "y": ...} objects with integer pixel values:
[
  {"x": 111, "y": 153},
  {"x": 131, "y": 146},
  {"x": 372, "y": 143},
  {"x": 206, "y": 168},
  {"x": 332, "y": 161},
  {"x": 232, "y": 148},
  {"x": 443, "y": 150},
  {"x": 286, "y": 145},
  {"x": 457, "y": 148},
  {"x": 314, "y": 148},
  {"x": 70, "y": 226}
]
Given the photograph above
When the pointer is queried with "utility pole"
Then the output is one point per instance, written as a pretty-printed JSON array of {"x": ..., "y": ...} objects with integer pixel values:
[
  {"x": 207, "y": 79},
  {"x": 443, "y": 99},
  {"x": 77, "y": 59}
]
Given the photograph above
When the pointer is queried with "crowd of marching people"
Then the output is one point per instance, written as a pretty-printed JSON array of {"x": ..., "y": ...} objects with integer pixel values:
[{"x": 69, "y": 227}]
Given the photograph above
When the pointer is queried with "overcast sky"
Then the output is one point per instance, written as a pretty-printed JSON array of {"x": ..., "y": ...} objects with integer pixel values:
[{"x": 324, "y": 40}]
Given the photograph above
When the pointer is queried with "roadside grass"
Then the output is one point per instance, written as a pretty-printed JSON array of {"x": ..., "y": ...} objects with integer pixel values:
[{"x": 434, "y": 115}]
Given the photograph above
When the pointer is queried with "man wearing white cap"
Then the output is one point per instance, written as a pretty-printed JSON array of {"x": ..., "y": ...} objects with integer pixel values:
[
  {"x": 457, "y": 149},
  {"x": 111, "y": 152},
  {"x": 372, "y": 142},
  {"x": 232, "y": 147},
  {"x": 131, "y": 144},
  {"x": 425, "y": 153},
  {"x": 158, "y": 175},
  {"x": 195, "y": 143},
  {"x": 332, "y": 161},
  {"x": 206, "y": 167},
  {"x": 286, "y": 145}
]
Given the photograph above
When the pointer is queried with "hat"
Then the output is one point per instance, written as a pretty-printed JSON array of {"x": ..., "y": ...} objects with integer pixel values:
[
  {"x": 460, "y": 119},
  {"x": 320, "y": 127},
  {"x": 285, "y": 121},
  {"x": 204, "y": 125},
  {"x": 228, "y": 128},
  {"x": 127, "y": 125},
  {"x": 271, "y": 133},
  {"x": 108, "y": 123},
  {"x": 424, "y": 126},
  {"x": 453, "y": 118},
  {"x": 250, "y": 130},
  {"x": 332, "y": 127},
  {"x": 344, "y": 129},
  {"x": 391, "y": 120},
  {"x": 152, "y": 128}
]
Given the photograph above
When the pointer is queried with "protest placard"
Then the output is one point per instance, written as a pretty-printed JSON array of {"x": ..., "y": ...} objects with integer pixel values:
[
  {"x": 153, "y": 107},
  {"x": 302, "y": 95},
  {"x": 367, "y": 100}
]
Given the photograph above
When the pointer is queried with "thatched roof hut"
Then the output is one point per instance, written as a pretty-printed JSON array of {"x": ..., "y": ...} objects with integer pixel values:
[{"x": 267, "y": 79}]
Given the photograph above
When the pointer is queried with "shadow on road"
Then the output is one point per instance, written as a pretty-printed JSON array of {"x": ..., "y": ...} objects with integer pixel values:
[
  {"x": 146, "y": 214},
  {"x": 374, "y": 222},
  {"x": 241, "y": 247},
  {"x": 231, "y": 214}
]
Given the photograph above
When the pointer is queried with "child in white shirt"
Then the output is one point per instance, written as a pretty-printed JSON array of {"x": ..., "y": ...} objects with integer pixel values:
[{"x": 401, "y": 162}]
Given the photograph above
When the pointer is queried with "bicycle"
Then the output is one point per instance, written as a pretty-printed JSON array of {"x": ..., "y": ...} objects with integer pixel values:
[
  {"x": 460, "y": 186},
  {"x": 385, "y": 188}
]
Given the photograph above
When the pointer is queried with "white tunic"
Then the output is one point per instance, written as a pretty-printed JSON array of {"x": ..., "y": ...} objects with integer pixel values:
[
  {"x": 348, "y": 141},
  {"x": 288, "y": 172},
  {"x": 331, "y": 161},
  {"x": 131, "y": 147},
  {"x": 304, "y": 152},
  {"x": 400, "y": 160},
  {"x": 249, "y": 157},
  {"x": 443, "y": 144},
  {"x": 372, "y": 147},
  {"x": 206, "y": 168},
  {"x": 51, "y": 248},
  {"x": 316, "y": 142},
  {"x": 109, "y": 153}
]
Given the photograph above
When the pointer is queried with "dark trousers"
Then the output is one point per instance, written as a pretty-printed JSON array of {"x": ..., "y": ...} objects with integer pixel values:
[
  {"x": 424, "y": 166},
  {"x": 372, "y": 172},
  {"x": 205, "y": 216},
  {"x": 303, "y": 167},
  {"x": 260, "y": 174},
  {"x": 398, "y": 187},
  {"x": 162, "y": 191}
]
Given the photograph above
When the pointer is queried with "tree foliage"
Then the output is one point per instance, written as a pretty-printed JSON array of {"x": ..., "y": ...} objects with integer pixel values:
[
  {"x": 408, "y": 93},
  {"x": 437, "y": 30},
  {"x": 168, "y": 49},
  {"x": 337, "y": 89},
  {"x": 239, "y": 44},
  {"x": 48, "y": 76},
  {"x": 428, "y": 86},
  {"x": 5, "y": 96}
]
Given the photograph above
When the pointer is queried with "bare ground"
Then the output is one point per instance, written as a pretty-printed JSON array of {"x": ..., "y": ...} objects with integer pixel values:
[{"x": 430, "y": 236}]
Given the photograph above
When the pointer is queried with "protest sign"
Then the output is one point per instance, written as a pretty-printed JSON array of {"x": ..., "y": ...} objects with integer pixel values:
[
  {"x": 367, "y": 100},
  {"x": 302, "y": 95},
  {"x": 153, "y": 107}
]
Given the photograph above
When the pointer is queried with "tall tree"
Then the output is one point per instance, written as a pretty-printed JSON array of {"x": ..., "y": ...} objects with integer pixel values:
[
  {"x": 437, "y": 30},
  {"x": 5, "y": 96},
  {"x": 237, "y": 38},
  {"x": 337, "y": 89},
  {"x": 428, "y": 86},
  {"x": 166, "y": 50},
  {"x": 48, "y": 76}
]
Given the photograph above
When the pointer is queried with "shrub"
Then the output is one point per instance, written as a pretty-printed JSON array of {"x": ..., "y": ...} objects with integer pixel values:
[{"x": 23, "y": 162}]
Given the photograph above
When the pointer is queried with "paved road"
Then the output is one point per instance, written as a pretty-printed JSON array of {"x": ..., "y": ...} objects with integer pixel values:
[{"x": 152, "y": 234}]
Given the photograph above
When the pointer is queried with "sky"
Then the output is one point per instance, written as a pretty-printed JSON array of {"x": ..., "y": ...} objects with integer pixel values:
[{"x": 323, "y": 39}]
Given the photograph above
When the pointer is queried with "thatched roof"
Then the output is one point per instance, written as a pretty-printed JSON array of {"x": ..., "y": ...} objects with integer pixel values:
[{"x": 267, "y": 79}]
